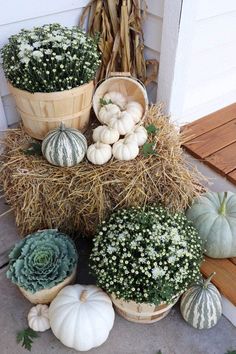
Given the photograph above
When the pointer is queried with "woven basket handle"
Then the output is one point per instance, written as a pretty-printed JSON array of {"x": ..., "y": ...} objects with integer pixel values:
[{"x": 118, "y": 73}]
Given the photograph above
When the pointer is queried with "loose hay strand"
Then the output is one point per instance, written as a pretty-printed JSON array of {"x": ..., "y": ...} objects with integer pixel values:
[{"x": 76, "y": 199}]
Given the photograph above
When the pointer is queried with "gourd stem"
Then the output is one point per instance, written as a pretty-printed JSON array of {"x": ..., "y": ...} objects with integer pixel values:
[
  {"x": 222, "y": 206},
  {"x": 62, "y": 126},
  {"x": 208, "y": 280},
  {"x": 83, "y": 296}
]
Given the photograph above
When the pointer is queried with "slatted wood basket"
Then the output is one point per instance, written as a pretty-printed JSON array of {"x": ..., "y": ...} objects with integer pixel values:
[
  {"x": 141, "y": 313},
  {"x": 46, "y": 296},
  {"x": 132, "y": 88},
  {"x": 42, "y": 112}
]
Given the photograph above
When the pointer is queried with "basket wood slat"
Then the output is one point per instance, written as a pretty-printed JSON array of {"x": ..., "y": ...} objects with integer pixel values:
[
  {"x": 141, "y": 313},
  {"x": 42, "y": 112},
  {"x": 46, "y": 296}
]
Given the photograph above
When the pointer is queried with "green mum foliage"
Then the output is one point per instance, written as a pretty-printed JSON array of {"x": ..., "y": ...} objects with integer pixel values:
[{"x": 42, "y": 260}]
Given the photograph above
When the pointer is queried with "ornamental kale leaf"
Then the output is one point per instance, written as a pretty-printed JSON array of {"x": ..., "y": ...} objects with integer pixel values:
[{"x": 42, "y": 260}]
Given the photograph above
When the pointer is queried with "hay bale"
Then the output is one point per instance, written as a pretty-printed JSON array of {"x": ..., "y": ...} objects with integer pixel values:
[{"x": 78, "y": 198}]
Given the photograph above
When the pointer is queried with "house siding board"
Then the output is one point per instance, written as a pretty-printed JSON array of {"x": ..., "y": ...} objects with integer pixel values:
[{"x": 211, "y": 68}]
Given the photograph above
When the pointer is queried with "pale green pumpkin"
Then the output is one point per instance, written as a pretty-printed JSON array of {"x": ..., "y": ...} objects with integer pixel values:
[
  {"x": 214, "y": 216},
  {"x": 64, "y": 147},
  {"x": 201, "y": 304}
]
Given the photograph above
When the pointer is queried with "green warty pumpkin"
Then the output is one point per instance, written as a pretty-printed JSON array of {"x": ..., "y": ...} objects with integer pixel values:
[
  {"x": 64, "y": 146},
  {"x": 201, "y": 304},
  {"x": 214, "y": 216}
]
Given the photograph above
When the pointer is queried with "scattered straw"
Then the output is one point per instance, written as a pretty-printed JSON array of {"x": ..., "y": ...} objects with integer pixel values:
[{"x": 78, "y": 198}]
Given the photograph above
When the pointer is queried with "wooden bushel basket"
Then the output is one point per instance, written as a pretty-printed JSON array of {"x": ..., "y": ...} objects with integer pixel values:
[
  {"x": 42, "y": 112},
  {"x": 46, "y": 296},
  {"x": 141, "y": 313},
  {"x": 132, "y": 88}
]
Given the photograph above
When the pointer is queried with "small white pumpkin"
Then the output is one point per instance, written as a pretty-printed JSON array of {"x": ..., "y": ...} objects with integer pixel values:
[
  {"x": 81, "y": 316},
  {"x": 139, "y": 135},
  {"x": 99, "y": 153},
  {"x": 105, "y": 134},
  {"x": 117, "y": 98},
  {"x": 125, "y": 150},
  {"x": 38, "y": 318},
  {"x": 135, "y": 109},
  {"x": 123, "y": 123},
  {"x": 107, "y": 112}
]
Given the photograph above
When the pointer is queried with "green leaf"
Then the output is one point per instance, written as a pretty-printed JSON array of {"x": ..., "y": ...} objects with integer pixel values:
[
  {"x": 25, "y": 337},
  {"x": 159, "y": 352},
  {"x": 231, "y": 352},
  {"x": 151, "y": 129},
  {"x": 147, "y": 149},
  {"x": 104, "y": 102},
  {"x": 34, "y": 149}
]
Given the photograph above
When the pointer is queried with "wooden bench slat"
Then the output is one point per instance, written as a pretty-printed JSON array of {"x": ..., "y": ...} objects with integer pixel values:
[
  {"x": 225, "y": 278},
  {"x": 209, "y": 122},
  {"x": 232, "y": 176},
  {"x": 224, "y": 160},
  {"x": 212, "y": 141}
]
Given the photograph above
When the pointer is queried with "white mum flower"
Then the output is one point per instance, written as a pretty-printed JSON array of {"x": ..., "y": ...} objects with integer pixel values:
[
  {"x": 111, "y": 249},
  {"x": 157, "y": 272},
  {"x": 36, "y": 45},
  {"x": 37, "y": 54}
]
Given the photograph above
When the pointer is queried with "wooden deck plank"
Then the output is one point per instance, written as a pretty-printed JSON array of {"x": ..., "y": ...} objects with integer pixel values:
[
  {"x": 233, "y": 260},
  {"x": 213, "y": 140},
  {"x": 232, "y": 176},
  {"x": 225, "y": 278},
  {"x": 224, "y": 160},
  {"x": 209, "y": 122}
]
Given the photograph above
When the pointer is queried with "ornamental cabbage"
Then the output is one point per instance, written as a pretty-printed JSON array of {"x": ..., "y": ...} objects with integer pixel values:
[{"x": 42, "y": 260}]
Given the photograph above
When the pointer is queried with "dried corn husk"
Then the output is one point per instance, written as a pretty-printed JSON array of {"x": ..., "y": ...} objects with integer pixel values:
[{"x": 119, "y": 23}]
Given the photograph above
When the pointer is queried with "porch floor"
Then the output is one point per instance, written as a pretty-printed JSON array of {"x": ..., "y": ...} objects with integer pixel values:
[
  {"x": 171, "y": 335},
  {"x": 212, "y": 141}
]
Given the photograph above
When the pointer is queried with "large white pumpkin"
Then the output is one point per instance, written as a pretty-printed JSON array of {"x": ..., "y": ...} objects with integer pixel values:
[{"x": 81, "y": 316}]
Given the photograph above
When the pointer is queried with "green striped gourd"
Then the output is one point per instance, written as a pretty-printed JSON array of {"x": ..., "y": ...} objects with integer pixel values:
[
  {"x": 201, "y": 304},
  {"x": 64, "y": 146},
  {"x": 214, "y": 216}
]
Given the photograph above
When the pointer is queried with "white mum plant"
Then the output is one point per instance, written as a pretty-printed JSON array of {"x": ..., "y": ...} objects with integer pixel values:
[
  {"x": 50, "y": 58},
  {"x": 146, "y": 255}
]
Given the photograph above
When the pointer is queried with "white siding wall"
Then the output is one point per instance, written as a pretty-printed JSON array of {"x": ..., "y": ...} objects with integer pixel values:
[
  {"x": 25, "y": 14},
  {"x": 205, "y": 67}
]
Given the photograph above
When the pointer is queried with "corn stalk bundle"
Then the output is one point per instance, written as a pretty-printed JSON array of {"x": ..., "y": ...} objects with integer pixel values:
[{"x": 119, "y": 23}]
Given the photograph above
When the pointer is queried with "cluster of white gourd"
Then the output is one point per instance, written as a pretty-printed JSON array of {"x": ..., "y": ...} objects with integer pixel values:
[{"x": 119, "y": 117}]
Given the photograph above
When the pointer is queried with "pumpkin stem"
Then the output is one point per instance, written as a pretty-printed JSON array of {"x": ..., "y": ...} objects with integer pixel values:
[
  {"x": 222, "y": 206},
  {"x": 208, "y": 280},
  {"x": 62, "y": 127},
  {"x": 83, "y": 296}
]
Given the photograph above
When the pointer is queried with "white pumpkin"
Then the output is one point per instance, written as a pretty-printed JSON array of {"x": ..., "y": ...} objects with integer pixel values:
[
  {"x": 105, "y": 134},
  {"x": 117, "y": 98},
  {"x": 99, "y": 153},
  {"x": 139, "y": 135},
  {"x": 107, "y": 112},
  {"x": 81, "y": 316},
  {"x": 135, "y": 109},
  {"x": 123, "y": 123},
  {"x": 38, "y": 318},
  {"x": 125, "y": 150}
]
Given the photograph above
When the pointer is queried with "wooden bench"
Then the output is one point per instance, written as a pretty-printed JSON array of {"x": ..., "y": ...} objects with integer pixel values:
[{"x": 212, "y": 141}]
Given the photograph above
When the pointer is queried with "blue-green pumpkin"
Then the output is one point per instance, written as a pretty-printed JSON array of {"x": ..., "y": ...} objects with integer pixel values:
[
  {"x": 201, "y": 304},
  {"x": 214, "y": 216},
  {"x": 64, "y": 147}
]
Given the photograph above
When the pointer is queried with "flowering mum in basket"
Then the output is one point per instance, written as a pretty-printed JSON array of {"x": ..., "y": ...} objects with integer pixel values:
[
  {"x": 50, "y": 58},
  {"x": 42, "y": 260},
  {"x": 146, "y": 255}
]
